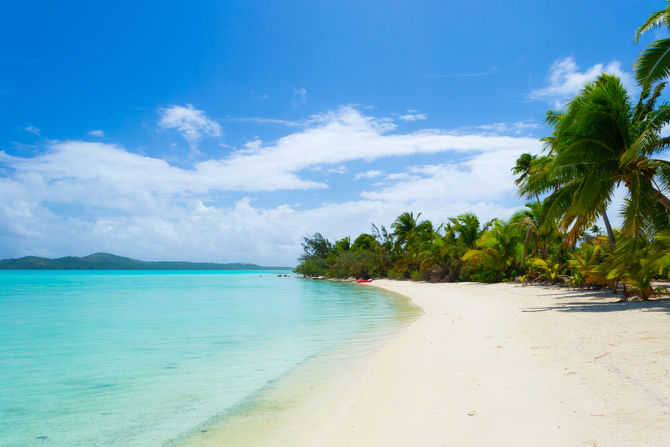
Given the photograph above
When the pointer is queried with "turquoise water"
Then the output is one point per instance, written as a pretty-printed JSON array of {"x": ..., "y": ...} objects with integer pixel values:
[{"x": 141, "y": 358}]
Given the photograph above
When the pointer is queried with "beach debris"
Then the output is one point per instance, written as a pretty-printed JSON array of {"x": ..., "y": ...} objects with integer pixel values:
[{"x": 472, "y": 413}]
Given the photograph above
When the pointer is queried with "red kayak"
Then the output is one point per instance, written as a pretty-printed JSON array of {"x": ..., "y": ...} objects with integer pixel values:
[{"x": 363, "y": 280}]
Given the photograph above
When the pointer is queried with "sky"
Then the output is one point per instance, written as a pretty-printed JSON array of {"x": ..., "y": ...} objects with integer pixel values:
[{"x": 227, "y": 131}]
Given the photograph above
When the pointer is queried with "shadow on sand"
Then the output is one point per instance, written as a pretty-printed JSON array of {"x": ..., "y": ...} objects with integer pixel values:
[{"x": 599, "y": 301}]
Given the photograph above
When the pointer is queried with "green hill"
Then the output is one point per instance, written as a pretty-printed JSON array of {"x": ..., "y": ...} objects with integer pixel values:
[{"x": 106, "y": 261}]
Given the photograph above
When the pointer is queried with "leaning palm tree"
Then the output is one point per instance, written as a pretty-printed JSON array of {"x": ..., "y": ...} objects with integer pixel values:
[
  {"x": 654, "y": 63},
  {"x": 542, "y": 178},
  {"x": 600, "y": 142}
]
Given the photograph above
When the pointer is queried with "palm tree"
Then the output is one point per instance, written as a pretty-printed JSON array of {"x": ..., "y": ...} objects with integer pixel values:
[
  {"x": 654, "y": 62},
  {"x": 660, "y": 253},
  {"x": 602, "y": 141},
  {"x": 496, "y": 250},
  {"x": 467, "y": 230},
  {"x": 539, "y": 238},
  {"x": 523, "y": 168},
  {"x": 542, "y": 178},
  {"x": 404, "y": 226}
]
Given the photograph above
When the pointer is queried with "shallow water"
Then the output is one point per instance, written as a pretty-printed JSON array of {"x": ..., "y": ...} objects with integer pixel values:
[{"x": 142, "y": 358}]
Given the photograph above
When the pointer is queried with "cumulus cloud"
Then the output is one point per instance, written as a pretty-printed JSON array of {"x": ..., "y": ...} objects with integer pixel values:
[
  {"x": 78, "y": 197},
  {"x": 346, "y": 134},
  {"x": 478, "y": 178},
  {"x": 565, "y": 80},
  {"x": 192, "y": 123},
  {"x": 97, "y": 133}
]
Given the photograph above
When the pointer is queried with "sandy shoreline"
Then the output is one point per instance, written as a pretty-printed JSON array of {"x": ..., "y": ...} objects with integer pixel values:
[{"x": 497, "y": 365}]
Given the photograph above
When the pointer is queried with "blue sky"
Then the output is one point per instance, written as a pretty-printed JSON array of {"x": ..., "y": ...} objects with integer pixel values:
[{"x": 226, "y": 131}]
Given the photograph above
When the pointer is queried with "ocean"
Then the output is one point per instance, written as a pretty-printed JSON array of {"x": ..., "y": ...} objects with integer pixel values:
[{"x": 143, "y": 358}]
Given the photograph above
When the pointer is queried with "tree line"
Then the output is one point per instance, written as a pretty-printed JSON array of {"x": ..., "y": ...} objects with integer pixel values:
[{"x": 602, "y": 140}]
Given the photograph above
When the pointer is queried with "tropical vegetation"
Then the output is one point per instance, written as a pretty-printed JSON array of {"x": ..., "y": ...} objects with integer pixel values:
[{"x": 602, "y": 142}]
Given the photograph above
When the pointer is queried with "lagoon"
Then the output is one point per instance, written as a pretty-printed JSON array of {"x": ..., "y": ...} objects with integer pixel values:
[{"x": 149, "y": 357}]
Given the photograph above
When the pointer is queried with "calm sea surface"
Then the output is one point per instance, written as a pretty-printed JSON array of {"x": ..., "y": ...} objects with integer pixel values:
[{"x": 141, "y": 358}]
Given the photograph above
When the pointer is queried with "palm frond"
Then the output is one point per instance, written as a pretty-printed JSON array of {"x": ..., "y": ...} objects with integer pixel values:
[
  {"x": 653, "y": 64},
  {"x": 656, "y": 19}
]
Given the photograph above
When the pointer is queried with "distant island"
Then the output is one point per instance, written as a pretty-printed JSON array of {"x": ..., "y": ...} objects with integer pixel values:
[{"x": 106, "y": 261}]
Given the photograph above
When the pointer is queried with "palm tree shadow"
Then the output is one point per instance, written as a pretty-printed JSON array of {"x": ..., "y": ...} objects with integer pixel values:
[{"x": 600, "y": 301}]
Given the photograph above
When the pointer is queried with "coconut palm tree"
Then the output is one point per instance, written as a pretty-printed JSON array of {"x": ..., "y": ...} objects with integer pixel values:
[
  {"x": 404, "y": 226},
  {"x": 654, "y": 63},
  {"x": 523, "y": 168},
  {"x": 602, "y": 141},
  {"x": 495, "y": 251},
  {"x": 467, "y": 229},
  {"x": 543, "y": 177},
  {"x": 539, "y": 238}
]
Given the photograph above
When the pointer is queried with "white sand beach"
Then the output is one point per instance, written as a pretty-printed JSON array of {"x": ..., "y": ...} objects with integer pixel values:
[{"x": 504, "y": 365}]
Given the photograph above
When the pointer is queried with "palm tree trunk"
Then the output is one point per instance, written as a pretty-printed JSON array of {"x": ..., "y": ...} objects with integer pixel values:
[
  {"x": 658, "y": 195},
  {"x": 610, "y": 233}
]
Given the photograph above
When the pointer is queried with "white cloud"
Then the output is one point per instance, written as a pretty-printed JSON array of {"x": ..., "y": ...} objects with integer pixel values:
[
  {"x": 345, "y": 135},
  {"x": 413, "y": 115},
  {"x": 665, "y": 130},
  {"x": 368, "y": 174},
  {"x": 338, "y": 170},
  {"x": 483, "y": 177},
  {"x": 515, "y": 128},
  {"x": 32, "y": 129},
  {"x": 192, "y": 123},
  {"x": 565, "y": 80},
  {"x": 97, "y": 133},
  {"x": 259, "y": 120},
  {"x": 90, "y": 196},
  {"x": 299, "y": 96}
]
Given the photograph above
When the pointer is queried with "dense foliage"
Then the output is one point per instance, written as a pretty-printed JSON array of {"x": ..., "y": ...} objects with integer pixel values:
[{"x": 602, "y": 141}]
